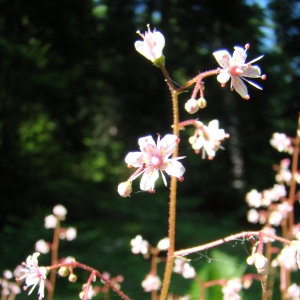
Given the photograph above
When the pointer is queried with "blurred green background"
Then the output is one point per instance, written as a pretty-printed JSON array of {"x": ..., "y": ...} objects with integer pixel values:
[{"x": 75, "y": 97}]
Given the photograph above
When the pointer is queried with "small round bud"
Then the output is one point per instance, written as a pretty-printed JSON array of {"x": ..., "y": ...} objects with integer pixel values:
[
  {"x": 250, "y": 260},
  {"x": 247, "y": 97},
  {"x": 202, "y": 102},
  {"x": 72, "y": 278},
  {"x": 191, "y": 106},
  {"x": 81, "y": 295},
  {"x": 264, "y": 77},
  {"x": 63, "y": 272},
  {"x": 124, "y": 189},
  {"x": 247, "y": 46},
  {"x": 261, "y": 263}
]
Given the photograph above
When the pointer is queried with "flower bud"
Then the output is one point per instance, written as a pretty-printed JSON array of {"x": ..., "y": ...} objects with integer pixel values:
[
  {"x": 201, "y": 102},
  {"x": 72, "y": 278},
  {"x": 261, "y": 263},
  {"x": 124, "y": 189},
  {"x": 81, "y": 295},
  {"x": 191, "y": 106},
  {"x": 63, "y": 272}
]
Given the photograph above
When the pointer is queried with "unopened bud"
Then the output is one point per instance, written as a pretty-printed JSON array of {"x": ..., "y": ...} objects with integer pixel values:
[
  {"x": 72, "y": 278},
  {"x": 63, "y": 272},
  {"x": 261, "y": 263},
  {"x": 202, "y": 102},
  {"x": 124, "y": 189},
  {"x": 191, "y": 106},
  {"x": 81, "y": 295}
]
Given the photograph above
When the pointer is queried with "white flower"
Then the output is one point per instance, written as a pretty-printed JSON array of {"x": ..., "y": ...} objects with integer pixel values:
[
  {"x": 293, "y": 292},
  {"x": 60, "y": 212},
  {"x": 154, "y": 158},
  {"x": 42, "y": 246},
  {"x": 269, "y": 230},
  {"x": 138, "y": 245},
  {"x": 286, "y": 258},
  {"x": 151, "y": 283},
  {"x": 7, "y": 274},
  {"x": 235, "y": 68},
  {"x": 209, "y": 137},
  {"x": 253, "y": 198},
  {"x": 50, "y": 221},
  {"x": 184, "y": 268},
  {"x": 35, "y": 275},
  {"x": 164, "y": 244},
  {"x": 152, "y": 45},
  {"x": 69, "y": 234},
  {"x": 233, "y": 286},
  {"x": 281, "y": 142},
  {"x": 252, "y": 216}
]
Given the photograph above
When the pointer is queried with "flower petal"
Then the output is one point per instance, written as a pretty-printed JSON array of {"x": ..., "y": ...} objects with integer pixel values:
[
  {"x": 135, "y": 159},
  {"x": 167, "y": 145},
  {"x": 174, "y": 168},
  {"x": 148, "y": 179},
  {"x": 252, "y": 71},
  {"x": 239, "y": 56},
  {"x": 143, "y": 49},
  {"x": 147, "y": 145},
  {"x": 199, "y": 143},
  {"x": 223, "y": 58},
  {"x": 239, "y": 86},
  {"x": 224, "y": 76}
]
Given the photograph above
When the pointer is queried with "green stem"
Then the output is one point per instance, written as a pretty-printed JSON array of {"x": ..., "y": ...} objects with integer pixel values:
[{"x": 173, "y": 192}]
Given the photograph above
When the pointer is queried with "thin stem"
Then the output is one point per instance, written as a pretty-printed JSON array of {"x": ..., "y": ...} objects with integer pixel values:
[
  {"x": 193, "y": 80},
  {"x": 87, "y": 287},
  {"x": 244, "y": 235},
  {"x": 54, "y": 256},
  {"x": 91, "y": 270},
  {"x": 293, "y": 184},
  {"x": 173, "y": 193}
]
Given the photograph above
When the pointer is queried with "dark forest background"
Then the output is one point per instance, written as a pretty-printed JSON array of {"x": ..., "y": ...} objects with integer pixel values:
[{"x": 75, "y": 97}]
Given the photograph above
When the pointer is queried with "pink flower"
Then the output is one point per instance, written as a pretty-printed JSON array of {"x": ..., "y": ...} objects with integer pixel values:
[
  {"x": 152, "y": 45},
  {"x": 35, "y": 275},
  {"x": 154, "y": 158},
  {"x": 235, "y": 68}
]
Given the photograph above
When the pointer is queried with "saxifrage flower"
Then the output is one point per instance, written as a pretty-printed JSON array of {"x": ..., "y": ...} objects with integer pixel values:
[
  {"x": 154, "y": 158},
  {"x": 35, "y": 275},
  {"x": 152, "y": 45},
  {"x": 234, "y": 67}
]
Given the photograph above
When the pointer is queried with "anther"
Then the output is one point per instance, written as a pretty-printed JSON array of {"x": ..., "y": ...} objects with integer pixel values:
[{"x": 180, "y": 179}]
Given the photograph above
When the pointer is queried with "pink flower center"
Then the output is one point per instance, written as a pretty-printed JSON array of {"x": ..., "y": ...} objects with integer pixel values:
[
  {"x": 156, "y": 161},
  {"x": 235, "y": 71}
]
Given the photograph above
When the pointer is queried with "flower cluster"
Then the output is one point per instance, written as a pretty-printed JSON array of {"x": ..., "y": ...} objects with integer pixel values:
[
  {"x": 281, "y": 142},
  {"x": 184, "y": 268},
  {"x": 151, "y": 283}
]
